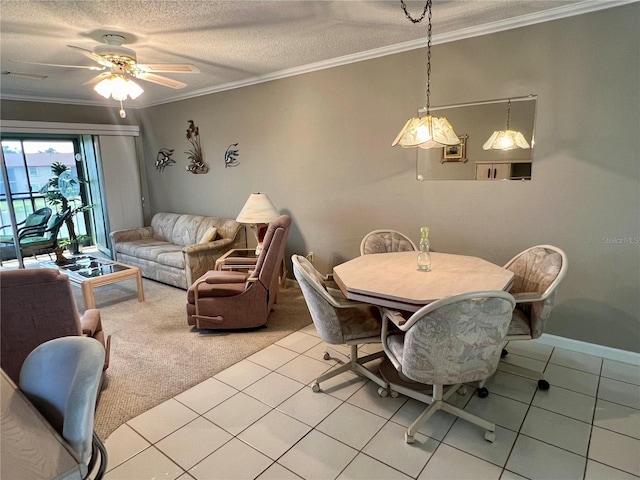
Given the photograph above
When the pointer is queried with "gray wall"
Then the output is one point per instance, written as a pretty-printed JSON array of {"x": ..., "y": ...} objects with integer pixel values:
[{"x": 319, "y": 145}]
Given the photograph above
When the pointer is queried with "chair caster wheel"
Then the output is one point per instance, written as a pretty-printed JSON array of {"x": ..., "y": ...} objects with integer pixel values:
[
  {"x": 326, "y": 356},
  {"x": 394, "y": 394},
  {"x": 408, "y": 438},
  {"x": 543, "y": 385},
  {"x": 462, "y": 390},
  {"x": 382, "y": 392},
  {"x": 490, "y": 436},
  {"x": 504, "y": 353},
  {"x": 315, "y": 387},
  {"x": 483, "y": 392}
]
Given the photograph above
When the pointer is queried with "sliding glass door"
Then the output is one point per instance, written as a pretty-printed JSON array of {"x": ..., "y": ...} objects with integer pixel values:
[{"x": 28, "y": 161}]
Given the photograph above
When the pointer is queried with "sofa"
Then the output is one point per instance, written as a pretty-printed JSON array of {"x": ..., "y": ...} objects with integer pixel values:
[{"x": 176, "y": 249}]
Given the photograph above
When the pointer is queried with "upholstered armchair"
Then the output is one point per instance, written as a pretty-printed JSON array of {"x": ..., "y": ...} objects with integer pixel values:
[
  {"x": 236, "y": 300},
  {"x": 383, "y": 241},
  {"x": 447, "y": 343},
  {"x": 538, "y": 272},
  {"x": 37, "y": 305},
  {"x": 339, "y": 321}
]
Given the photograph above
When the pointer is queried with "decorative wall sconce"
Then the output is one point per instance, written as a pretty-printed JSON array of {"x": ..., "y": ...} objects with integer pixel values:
[
  {"x": 196, "y": 160},
  {"x": 163, "y": 159},
  {"x": 231, "y": 156}
]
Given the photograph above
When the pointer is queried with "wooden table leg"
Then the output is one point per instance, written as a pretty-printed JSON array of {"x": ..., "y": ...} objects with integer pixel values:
[
  {"x": 140, "y": 288},
  {"x": 87, "y": 295}
]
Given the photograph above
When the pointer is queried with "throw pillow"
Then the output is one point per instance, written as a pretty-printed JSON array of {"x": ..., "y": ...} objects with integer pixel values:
[{"x": 209, "y": 235}]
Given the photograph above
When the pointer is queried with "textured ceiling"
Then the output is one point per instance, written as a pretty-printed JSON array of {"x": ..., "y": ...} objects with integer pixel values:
[{"x": 231, "y": 42}]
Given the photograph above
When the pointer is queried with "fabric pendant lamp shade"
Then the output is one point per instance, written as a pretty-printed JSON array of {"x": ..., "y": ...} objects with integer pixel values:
[
  {"x": 505, "y": 140},
  {"x": 426, "y": 132}
]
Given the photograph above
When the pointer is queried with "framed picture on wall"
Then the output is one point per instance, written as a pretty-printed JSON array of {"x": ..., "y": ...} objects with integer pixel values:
[{"x": 455, "y": 153}]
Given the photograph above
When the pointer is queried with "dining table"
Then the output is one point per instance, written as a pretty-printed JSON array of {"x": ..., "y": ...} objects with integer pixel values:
[{"x": 393, "y": 280}]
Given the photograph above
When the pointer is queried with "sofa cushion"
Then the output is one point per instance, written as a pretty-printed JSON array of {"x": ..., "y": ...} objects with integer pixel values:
[
  {"x": 208, "y": 235},
  {"x": 185, "y": 230},
  {"x": 162, "y": 224},
  {"x": 153, "y": 250}
]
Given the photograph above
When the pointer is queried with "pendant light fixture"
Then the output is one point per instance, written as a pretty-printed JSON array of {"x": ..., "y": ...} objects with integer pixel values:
[
  {"x": 426, "y": 132},
  {"x": 506, "y": 139}
]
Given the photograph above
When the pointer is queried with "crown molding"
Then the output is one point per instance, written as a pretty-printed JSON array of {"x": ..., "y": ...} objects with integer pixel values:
[{"x": 587, "y": 6}]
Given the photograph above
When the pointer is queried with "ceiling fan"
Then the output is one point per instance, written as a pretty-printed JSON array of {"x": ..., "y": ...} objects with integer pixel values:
[
  {"x": 120, "y": 60},
  {"x": 118, "y": 65}
]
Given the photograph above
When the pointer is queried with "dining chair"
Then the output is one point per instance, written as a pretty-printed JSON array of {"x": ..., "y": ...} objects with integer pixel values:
[
  {"x": 538, "y": 272},
  {"x": 339, "y": 322},
  {"x": 449, "y": 342},
  {"x": 383, "y": 241},
  {"x": 61, "y": 379}
]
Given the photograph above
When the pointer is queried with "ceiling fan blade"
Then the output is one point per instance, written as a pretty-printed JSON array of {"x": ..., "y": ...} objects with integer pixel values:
[
  {"x": 168, "y": 68},
  {"x": 34, "y": 76},
  {"x": 97, "y": 78},
  {"x": 92, "y": 56},
  {"x": 167, "y": 82},
  {"x": 58, "y": 65}
]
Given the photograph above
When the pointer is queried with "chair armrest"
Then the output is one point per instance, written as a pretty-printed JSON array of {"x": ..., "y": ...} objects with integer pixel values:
[
  {"x": 90, "y": 322},
  {"x": 526, "y": 297},
  {"x": 119, "y": 236},
  {"x": 226, "y": 277}
]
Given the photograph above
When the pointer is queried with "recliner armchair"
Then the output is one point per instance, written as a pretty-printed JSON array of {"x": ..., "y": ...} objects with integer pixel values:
[
  {"x": 37, "y": 305},
  {"x": 234, "y": 300}
]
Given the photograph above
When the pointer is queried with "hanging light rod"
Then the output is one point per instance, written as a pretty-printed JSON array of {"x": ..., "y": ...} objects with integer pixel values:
[
  {"x": 425, "y": 132},
  {"x": 524, "y": 98}
]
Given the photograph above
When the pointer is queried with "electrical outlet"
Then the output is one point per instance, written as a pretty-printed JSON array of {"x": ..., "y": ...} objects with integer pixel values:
[{"x": 310, "y": 257}]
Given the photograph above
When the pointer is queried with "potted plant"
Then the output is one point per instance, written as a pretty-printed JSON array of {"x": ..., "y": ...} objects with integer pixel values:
[{"x": 62, "y": 191}]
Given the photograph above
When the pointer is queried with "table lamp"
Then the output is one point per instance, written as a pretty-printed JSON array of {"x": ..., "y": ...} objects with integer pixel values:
[{"x": 258, "y": 211}]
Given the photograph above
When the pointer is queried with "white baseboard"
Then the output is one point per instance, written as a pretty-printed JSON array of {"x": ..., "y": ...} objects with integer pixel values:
[{"x": 609, "y": 353}]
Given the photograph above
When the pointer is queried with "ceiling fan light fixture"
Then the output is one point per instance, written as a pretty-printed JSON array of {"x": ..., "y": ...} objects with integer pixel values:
[{"x": 118, "y": 87}]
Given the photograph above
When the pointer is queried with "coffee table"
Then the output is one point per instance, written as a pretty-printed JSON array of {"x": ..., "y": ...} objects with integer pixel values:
[{"x": 89, "y": 272}]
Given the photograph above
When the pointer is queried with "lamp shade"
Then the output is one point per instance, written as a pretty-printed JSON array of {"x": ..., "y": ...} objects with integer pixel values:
[
  {"x": 505, "y": 140},
  {"x": 426, "y": 132},
  {"x": 257, "y": 209},
  {"x": 118, "y": 87}
]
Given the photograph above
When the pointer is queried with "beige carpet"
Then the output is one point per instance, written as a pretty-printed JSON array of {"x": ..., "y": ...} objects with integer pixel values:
[{"x": 155, "y": 355}]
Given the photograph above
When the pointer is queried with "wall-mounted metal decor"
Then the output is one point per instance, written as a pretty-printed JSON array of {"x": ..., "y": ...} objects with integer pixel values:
[
  {"x": 196, "y": 164},
  {"x": 163, "y": 159},
  {"x": 231, "y": 156}
]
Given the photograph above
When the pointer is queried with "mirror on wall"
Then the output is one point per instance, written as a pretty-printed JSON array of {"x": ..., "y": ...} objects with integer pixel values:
[{"x": 475, "y": 123}]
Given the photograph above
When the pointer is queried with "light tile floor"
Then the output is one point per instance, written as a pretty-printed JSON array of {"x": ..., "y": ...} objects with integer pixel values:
[{"x": 260, "y": 419}]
